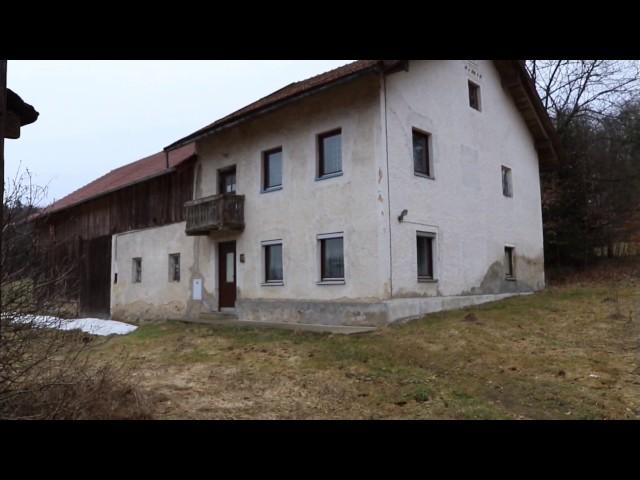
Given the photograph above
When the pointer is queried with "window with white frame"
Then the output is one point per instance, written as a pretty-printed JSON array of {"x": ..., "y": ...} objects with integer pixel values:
[
  {"x": 272, "y": 170},
  {"x": 329, "y": 154},
  {"x": 331, "y": 257},
  {"x": 273, "y": 264}
]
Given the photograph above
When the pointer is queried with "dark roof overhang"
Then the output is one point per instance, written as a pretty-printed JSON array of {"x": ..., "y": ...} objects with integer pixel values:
[
  {"x": 19, "y": 114},
  {"x": 517, "y": 81}
]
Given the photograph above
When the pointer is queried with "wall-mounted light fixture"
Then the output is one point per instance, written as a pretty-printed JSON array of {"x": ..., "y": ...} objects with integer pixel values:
[{"x": 404, "y": 213}]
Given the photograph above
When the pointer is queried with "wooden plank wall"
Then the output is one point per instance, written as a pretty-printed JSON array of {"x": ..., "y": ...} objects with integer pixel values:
[
  {"x": 157, "y": 201},
  {"x": 95, "y": 281},
  {"x": 78, "y": 239}
]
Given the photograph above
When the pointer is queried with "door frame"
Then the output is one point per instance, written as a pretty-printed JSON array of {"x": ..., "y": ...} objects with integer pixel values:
[
  {"x": 222, "y": 173},
  {"x": 223, "y": 249}
]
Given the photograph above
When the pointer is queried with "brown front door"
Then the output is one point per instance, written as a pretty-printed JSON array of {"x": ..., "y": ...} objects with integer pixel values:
[{"x": 227, "y": 274}]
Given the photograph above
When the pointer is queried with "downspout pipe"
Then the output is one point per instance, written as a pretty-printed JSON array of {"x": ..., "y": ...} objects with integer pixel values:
[
  {"x": 386, "y": 147},
  {"x": 3, "y": 113}
]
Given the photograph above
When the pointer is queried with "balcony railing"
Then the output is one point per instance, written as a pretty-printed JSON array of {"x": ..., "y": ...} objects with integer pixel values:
[{"x": 218, "y": 213}]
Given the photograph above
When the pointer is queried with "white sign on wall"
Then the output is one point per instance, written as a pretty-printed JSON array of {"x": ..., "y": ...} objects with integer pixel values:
[{"x": 197, "y": 289}]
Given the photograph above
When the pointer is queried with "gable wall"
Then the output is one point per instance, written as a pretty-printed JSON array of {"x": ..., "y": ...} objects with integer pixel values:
[{"x": 464, "y": 204}]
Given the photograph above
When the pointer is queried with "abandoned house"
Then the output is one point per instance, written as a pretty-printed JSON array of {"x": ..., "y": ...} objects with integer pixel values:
[{"x": 378, "y": 191}]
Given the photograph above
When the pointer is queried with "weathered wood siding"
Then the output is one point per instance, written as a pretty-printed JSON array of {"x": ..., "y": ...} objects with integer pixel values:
[
  {"x": 95, "y": 276},
  {"x": 79, "y": 237},
  {"x": 157, "y": 201}
]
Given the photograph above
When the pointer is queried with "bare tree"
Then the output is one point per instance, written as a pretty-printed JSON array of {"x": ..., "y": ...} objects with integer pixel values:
[
  {"x": 594, "y": 189},
  {"x": 47, "y": 372},
  {"x": 584, "y": 88}
]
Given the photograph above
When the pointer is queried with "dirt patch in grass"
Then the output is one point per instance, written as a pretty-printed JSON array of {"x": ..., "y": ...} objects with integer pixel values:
[{"x": 568, "y": 352}]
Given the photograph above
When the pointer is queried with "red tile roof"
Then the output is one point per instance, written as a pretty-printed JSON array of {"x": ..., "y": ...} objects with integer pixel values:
[
  {"x": 184, "y": 148},
  {"x": 293, "y": 90},
  {"x": 297, "y": 90},
  {"x": 126, "y": 175}
]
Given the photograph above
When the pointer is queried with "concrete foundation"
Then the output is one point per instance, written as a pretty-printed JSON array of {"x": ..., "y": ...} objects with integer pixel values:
[
  {"x": 404, "y": 309},
  {"x": 371, "y": 314},
  {"x": 313, "y": 312}
]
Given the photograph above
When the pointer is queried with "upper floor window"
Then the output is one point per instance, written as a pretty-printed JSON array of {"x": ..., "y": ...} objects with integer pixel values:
[
  {"x": 136, "y": 270},
  {"x": 227, "y": 179},
  {"x": 330, "y": 153},
  {"x": 272, "y": 169},
  {"x": 507, "y": 185},
  {"x": 474, "y": 95},
  {"x": 421, "y": 157},
  {"x": 174, "y": 267}
]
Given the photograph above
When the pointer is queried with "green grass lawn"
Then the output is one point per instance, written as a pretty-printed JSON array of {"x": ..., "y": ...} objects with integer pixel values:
[{"x": 566, "y": 353}]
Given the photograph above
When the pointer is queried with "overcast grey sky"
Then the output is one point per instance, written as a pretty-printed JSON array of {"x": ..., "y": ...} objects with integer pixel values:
[{"x": 98, "y": 115}]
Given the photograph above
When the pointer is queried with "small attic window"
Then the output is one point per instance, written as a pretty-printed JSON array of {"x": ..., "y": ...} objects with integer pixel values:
[
  {"x": 507, "y": 183},
  {"x": 474, "y": 95}
]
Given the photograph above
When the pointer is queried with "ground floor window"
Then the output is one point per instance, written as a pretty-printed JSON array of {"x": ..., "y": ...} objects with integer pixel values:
[
  {"x": 331, "y": 257},
  {"x": 509, "y": 265},
  {"x": 273, "y": 269},
  {"x": 174, "y": 267},
  {"x": 136, "y": 270},
  {"x": 425, "y": 241}
]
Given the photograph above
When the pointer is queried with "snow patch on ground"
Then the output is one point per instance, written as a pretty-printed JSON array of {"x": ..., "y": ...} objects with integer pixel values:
[{"x": 94, "y": 326}]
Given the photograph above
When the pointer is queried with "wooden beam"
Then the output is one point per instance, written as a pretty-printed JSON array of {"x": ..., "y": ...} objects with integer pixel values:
[{"x": 3, "y": 114}]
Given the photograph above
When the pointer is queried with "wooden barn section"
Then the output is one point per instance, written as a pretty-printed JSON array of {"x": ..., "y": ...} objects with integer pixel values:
[{"x": 78, "y": 228}]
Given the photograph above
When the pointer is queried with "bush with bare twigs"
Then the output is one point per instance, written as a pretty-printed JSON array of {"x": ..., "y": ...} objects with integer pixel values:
[{"x": 46, "y": 372}]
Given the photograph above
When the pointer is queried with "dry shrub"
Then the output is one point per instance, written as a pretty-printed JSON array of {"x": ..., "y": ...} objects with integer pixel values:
[
  {"x": 45, "y": 372},
  {"x": 64, "y": 384},
  {"x": 97, "y": 394}
]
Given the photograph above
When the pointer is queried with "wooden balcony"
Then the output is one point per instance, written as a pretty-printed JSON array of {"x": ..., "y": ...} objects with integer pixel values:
[{"x": 215, "y": 214}]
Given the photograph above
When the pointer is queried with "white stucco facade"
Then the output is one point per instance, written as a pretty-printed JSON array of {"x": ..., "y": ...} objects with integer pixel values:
[{"x": 462, "y": 204}]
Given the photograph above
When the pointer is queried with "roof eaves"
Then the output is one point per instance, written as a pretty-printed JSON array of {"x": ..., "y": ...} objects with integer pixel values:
[
  {"x": 108, "y": 191},
  {"x": 235, "y": 120},
  {"x": 517, "y": 80},
  {"x": 119, "y": 187}
]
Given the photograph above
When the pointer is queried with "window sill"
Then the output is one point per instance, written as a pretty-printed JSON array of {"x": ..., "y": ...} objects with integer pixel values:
[
  {"x": 427, "y": 280},
  {"x": 271, "y": 189},
  {"x": 511, "y": 279},
  {"x": 329, "y": 175},
  {"x": 424, "y": 175},
  {"x": 272, "y": 284},
  {"x": 331, "y": 282}
]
